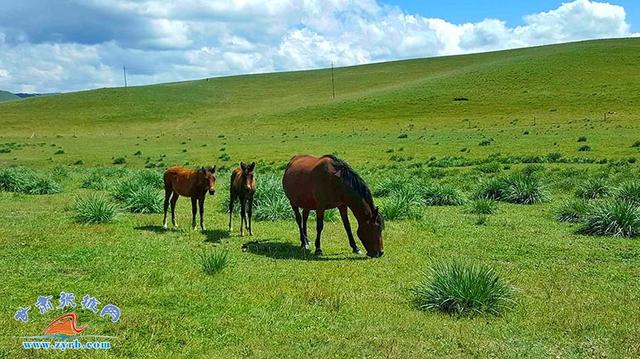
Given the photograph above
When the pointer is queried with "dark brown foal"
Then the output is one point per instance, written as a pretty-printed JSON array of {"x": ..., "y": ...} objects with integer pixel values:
[
  {"x": 243, "y": 186},
  {"x": 179, "y": 181}
]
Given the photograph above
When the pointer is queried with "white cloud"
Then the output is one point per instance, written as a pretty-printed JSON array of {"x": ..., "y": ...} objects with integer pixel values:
[{"x": 79, "y": 45}]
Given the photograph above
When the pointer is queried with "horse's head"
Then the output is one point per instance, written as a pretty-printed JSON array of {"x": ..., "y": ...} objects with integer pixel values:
[
  {"x": 247, "y": 175},
  {"x": 208, "y": 178},
  {"x": 370, "y": 233}
]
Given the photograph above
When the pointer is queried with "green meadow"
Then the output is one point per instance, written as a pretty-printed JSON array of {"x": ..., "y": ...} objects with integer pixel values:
[{"x": 555, "y": 130}]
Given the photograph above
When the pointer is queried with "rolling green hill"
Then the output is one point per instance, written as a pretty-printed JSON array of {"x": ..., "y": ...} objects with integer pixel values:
[
  {"x": 7, "y": 96},
  {"x": 551, "y": 92}
]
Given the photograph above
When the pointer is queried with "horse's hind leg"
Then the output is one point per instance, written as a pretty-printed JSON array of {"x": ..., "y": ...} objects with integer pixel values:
[
  {"x": 174, "y": 199},
  {"x": 167, "y": 196},
  {"x": 347, "y": 227},
  {"x": 249, "y": 212},
  {"x": 303, "y": 241},
  {"x": 319, "y": 227},
  {"x": 305, "y": 218},
  {"x": 243, "y": 215}
]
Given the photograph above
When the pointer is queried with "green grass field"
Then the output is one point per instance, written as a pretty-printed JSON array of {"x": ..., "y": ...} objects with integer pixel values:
[{"x": 576, "y": 295}]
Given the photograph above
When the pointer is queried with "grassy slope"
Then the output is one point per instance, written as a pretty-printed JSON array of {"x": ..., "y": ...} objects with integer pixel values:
[
  {"x": 578, "y": 295},
  {"x": 555, "y": 92},
  {"x": 7, "y": 96}
]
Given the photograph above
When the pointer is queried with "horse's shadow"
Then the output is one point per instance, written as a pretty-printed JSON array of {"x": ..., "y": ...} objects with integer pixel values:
[
  {"x": 286, "y": 250},
  {"x": 215, "y": 235}
]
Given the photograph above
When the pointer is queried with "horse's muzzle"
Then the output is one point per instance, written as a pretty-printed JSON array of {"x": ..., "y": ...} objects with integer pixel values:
[
  {"x": 375, "y": 254},
  {"x": 212, "y": 191}
]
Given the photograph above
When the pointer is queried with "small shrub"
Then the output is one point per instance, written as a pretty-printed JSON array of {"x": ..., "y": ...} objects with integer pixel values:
[
  {"x": 145, "y": 199},
  {"x": 554, "y": 156},
  {"x": 214, "y": 261},
  {"x": 636, "y": 144},
  {"x": 44, "y": 185},
  {"x": 485, "y": 142},
  {"x": 582, "y": 139},
  {"x": 403, "y": 204},
  {"x": 119, "y": 160},
  {"x": 492, "y": 189},
  {"x": 404, "y": 135},
  {"x": 95, "y": 208},
  {"x": 593, "y": 188},
  {"x": 59, "y": 152},
  {"x": 441, "y": 195},
  {"x": 225, "y": 157},
  {"x": 490, "y": 167},
  {"x": 585, "y": 148},
  {"x": 483, "y": 206},
  {"x": 629, "y": 192},
  {"x": 463, "y": 289},
  {"x": 138, "y": 153},
  {"x": 573, "y": 211},
  {"x": 613, "y": 218}
]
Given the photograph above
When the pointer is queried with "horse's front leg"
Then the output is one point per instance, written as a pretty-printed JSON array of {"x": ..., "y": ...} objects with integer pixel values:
[
  {"x": 194, "y": 210},
  {"x": 174, "y": 199},
  {"x": 201, "y": 204},
  {"x": 249, "y": 212},
  {"x": 242, "y": 215},
  {"x": 167, "y": 197},
  {"x": 319, "y": 227},
  {"x": 347, "y": 227},
  {"x": 303, "y": 240}
]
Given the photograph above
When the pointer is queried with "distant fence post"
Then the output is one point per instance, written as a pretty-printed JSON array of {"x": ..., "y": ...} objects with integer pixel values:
[{"x": 124, "y": 72}]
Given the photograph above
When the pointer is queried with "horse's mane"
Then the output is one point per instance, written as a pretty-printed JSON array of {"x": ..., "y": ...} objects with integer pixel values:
[{"x": 352, "y": 179}]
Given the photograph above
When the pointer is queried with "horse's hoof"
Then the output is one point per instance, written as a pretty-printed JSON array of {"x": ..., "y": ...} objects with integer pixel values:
[
  {"x": 164, "y": 226},
  {"x": 305, "y": 246},
  {"x": 318, "y": 252},
  {"x": 357, "y": 251}
]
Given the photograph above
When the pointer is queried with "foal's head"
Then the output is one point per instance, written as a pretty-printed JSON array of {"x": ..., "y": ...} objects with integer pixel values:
[
  {"x": 248, "y": 183},
  {"x": 208, "y": 178}
]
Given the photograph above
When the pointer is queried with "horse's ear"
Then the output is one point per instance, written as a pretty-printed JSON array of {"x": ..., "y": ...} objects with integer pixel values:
[
  {"x": 338, "y": 173},
  {"x": 252, "y": 166},
  {"x": 243, "y": 165}
]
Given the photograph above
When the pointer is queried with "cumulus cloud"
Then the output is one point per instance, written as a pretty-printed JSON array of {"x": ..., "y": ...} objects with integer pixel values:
[{"x": 81, "y": 44}]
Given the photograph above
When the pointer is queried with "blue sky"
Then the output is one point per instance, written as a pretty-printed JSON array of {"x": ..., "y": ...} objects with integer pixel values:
[
  {"x": 461, "y": 11},
  {"x": 83, "y": 44}
]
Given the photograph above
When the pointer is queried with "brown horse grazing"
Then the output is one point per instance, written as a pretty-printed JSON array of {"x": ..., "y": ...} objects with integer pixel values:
[
  {"x": 327, "y": 182},
  {"x": 243, "y": 186},
  {"x": 179, "y": 181}
]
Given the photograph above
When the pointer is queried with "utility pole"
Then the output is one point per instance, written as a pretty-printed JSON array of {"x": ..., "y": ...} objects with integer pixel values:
[
  {"x": 124, "y": 72},
  {"x": 333, "y": 83}
]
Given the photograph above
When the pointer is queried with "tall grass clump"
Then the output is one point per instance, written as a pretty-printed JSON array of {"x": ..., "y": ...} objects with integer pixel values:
[
  {"x": 593, "y": 188},
  {"x": 95, "y": 208},
  {"x": 25, "y": 180},
  {"x": 403, "y": 204},
  {"x": 270, "y": 202},
  {"x": 145, "y": 199},
  {"x": 463, "y": 289},
  {"x": 389, "y": 185},
  {"x": 573, "y": 210},
  {"x": 441, "y": 195},
  {"x": 214, "y": 261},
  {"x": 133, "y": 182},
  {"x": 104, "y": 178},
  {"x": 517, "y": 188},
  {"x": 483, "y": 206},
  {"x": 613, "y": 218},
  {"x": 629, "y": 192}
]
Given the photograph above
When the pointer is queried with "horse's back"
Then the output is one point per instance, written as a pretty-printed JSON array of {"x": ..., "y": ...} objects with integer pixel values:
[
  {"x": 177, "y": 178},
  {"x": 307, "y": 181}
]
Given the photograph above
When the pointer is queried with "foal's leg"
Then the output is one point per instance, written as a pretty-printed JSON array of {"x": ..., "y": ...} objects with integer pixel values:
[
  {"x": 319, "y": 227},
  {"x": 174, "y": 199},
  {"x": 347, "y": 227},
  {"x": 232, "y": 198},
  {"x": 194, "y": 211},
  {"x": 249, "y": 211},
  {"x": 167, "y": 196},
  {"x": 303, "y": 241},
  {"x": 243, "y": 214},
  {"x": 201, "y": 203}
]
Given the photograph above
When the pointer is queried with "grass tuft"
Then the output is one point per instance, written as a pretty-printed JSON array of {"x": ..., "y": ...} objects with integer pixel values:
[
  {"x": 441, "y": 195},
  {"x": 629, "y": 192},
  {"x": 403, "y": 204},
  {"x": 518, "y": 188},
  {"x": 593, "y": 188},
  {"x": 613, "y": 218},
  {"x": 95, "y": 208},
  {"x": 483, "y": 206},
  {"x": 573, "y": 210},
  {"x": 145, "y": 199},
  {"x": 24, "y": 180},
  {"x": 214, "y": 261},
  {"x": 463, "y": 289}
]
